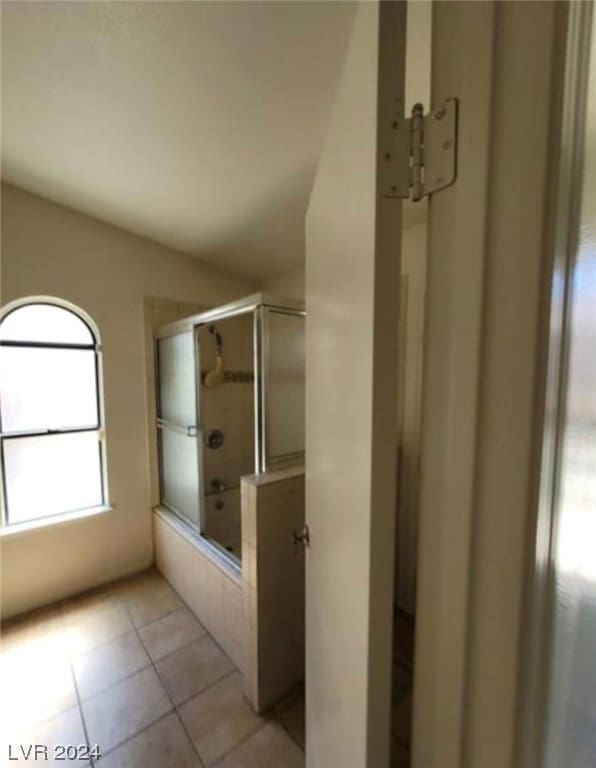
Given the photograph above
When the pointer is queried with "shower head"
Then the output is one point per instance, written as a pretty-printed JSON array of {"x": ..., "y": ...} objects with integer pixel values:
[
  {"x": 218, "y": 340},
  {"x": 217, "y": 375}
]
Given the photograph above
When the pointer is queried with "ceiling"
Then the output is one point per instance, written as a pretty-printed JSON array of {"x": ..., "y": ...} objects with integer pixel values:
[{"x": 195, "y": 124}]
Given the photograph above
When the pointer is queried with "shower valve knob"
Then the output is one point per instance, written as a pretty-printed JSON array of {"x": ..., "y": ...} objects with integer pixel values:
[{"x": 215, "y": 439}]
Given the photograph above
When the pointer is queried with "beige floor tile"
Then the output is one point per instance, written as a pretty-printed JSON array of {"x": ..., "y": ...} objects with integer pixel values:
[
  {"x": 106, "y": 665},
  {"x": 35, "y": 684},
  {"x": 149, "y": 597},
  {"x": 163, "y": 745},
  {"x": 269, "y": 747},
  {"x": 291, "y": 713},
  {"x": 125, "y": 709},
  {"x": 103, "y": 596},
  {"x": 219, "y": 719},
  {"x": 62, "y": 730},
  {"x": 171, "y": 632},
  {"x": 37, "y": 628},
  {"x": 95, "y": 625},
  {"x": 191, "y": 669}
]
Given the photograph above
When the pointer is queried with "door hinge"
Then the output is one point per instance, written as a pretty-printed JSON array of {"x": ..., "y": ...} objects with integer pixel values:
[{"x": 419, "y": 153}]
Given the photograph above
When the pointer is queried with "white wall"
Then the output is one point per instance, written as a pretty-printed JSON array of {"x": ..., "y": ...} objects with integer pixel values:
[{"x": 51, "y": 250}]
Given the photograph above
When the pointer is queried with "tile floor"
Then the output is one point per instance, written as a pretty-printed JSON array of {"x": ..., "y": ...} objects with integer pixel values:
[{"x": 129, "y": 668}]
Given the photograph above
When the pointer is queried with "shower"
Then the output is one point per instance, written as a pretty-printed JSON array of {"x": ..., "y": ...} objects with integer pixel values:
[{"x": 221, "y": 421}]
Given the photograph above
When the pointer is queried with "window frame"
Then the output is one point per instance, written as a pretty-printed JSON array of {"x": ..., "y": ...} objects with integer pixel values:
[{"x": 98, "y": 427}]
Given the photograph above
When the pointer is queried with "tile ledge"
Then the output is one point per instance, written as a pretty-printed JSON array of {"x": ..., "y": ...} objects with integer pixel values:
[
  {"x": 274, "y": 476},
  {"x": 195, "y": 540}
]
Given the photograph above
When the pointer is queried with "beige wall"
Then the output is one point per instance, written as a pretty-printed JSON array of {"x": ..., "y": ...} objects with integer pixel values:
[
  {"x": 289, "y": 285},
  {"x": 51, "y": 250},
  {"x": 352, "y": 325}
]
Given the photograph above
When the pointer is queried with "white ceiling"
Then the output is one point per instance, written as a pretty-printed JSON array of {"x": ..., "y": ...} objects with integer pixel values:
[{"x": 196, "y": 124}]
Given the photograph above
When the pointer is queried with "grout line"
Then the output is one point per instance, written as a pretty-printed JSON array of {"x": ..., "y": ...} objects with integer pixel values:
[
  {"x": 205, "y": 689},
  {"x": 80, "y": 706},
  {"x": 242, "y": 741},
  {"x": 175, "y": 650},
  {"x": 174, "y": 709},
  {"x": 113, "y": 685},
  {"x": 178, "y": 706},
  {"x": 167, "y": 692},
  {"x": 157, "y": 720},
  {"x": 287, "y": 730}
]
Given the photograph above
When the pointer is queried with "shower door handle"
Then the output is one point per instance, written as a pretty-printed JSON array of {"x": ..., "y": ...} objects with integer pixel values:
[{"x": 192, "y": 430}]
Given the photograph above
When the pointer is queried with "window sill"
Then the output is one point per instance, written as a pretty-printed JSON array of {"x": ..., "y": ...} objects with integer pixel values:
[{"x": 8, "y": 531}]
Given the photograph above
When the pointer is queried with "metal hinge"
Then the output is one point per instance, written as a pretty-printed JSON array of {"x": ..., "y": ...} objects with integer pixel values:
[{"x": 419, "y": 154}]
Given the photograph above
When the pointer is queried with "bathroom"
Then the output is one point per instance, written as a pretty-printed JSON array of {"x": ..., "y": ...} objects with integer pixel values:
[{"x": 169, "y": 608}]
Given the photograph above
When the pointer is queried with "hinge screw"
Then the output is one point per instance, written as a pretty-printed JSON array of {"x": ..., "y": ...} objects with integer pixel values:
[
  {"x": 396, "y": 124},
  {"x": 446, "y": 144},
  {"x": 387, "y": 156}
]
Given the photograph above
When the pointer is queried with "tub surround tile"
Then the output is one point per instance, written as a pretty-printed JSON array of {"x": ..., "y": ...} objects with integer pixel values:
[
  {"x": 173, "y": 631},
  {"x": 273, "y": 571},
  {"x": 214, "y": 591},
  {"x": 193, "y": 668}
]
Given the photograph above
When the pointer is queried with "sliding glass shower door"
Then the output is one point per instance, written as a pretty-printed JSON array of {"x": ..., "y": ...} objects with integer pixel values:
[{"x": 178, "y": 429}]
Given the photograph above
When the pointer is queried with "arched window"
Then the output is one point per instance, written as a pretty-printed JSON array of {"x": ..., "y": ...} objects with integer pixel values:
[{"x": 51, "y": 422}]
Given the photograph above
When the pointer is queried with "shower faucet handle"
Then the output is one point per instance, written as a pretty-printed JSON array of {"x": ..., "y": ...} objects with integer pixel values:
[{"x": 301, "y": 537}]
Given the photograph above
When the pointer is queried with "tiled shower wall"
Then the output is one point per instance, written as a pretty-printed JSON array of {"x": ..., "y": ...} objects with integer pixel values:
[
  {"x": 273, "y": 575},
  {"x": 212, "y": 592}
]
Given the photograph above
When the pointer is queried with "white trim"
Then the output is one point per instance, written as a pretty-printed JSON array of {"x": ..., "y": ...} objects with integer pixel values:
[
  {"x": 43, "y": 523},
  {"x": 5, "y": 310}
]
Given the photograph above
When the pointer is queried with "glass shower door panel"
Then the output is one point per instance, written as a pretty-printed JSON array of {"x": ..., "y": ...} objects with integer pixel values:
[
  {"x": 177, "y": 386},
  {"x": 178, "y": 428},
  {"x": 180, "y": 474},
  {"x": 285, "y": 393}
]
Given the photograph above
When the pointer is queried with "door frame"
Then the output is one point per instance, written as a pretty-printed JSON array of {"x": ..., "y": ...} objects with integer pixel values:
[
  {"x": 489, "y": 257},
  {"x": 568, "y": 169}
]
